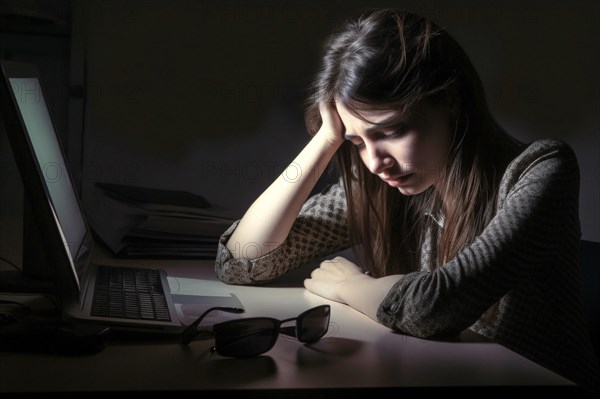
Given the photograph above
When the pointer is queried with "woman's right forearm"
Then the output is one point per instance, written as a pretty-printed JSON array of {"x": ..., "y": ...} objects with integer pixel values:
[{"x": 268, "y": 221}]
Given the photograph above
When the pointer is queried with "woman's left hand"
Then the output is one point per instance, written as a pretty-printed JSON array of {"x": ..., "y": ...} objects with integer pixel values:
[
  {"x": 342, "y": 281},
  {"x": 325, "y": 281}
]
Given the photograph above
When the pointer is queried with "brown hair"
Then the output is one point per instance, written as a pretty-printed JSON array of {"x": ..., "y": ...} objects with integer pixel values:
[{"x": 391, "y": 59}]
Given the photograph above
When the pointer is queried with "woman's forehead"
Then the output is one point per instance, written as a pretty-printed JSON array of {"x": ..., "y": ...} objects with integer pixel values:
[{"x": 379, "y": 114}]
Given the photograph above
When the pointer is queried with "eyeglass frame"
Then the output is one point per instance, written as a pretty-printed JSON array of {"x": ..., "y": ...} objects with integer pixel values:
[{"x": 191, "y": 331}]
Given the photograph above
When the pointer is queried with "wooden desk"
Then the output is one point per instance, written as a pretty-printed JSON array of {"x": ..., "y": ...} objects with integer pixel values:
[{"x": 356, "y": 354}]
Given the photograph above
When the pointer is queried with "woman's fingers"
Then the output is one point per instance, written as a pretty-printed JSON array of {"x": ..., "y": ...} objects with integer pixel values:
[
  {"x": 332, "y": 123},
  {"x": 341, "y": 265},
  {"x": 323, "y": 274}
]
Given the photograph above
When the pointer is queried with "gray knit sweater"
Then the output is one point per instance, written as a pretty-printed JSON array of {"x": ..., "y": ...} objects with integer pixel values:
[{"x": 527, "y": 259}]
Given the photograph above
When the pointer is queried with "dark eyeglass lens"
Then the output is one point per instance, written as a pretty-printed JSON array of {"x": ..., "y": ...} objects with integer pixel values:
[
  {"x": 241, "y": 338},
  {"x": 313, "y": 324}
]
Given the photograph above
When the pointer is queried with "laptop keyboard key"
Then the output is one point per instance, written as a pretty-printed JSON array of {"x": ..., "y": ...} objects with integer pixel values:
[{"x": 129, "y": 293}]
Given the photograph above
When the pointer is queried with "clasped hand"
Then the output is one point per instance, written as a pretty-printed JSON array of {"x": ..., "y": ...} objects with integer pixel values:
[{"x": 327, "y": 280}]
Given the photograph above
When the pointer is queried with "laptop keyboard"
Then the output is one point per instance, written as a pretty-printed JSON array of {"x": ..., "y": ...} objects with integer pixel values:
[{"x": 129, "y": 293}]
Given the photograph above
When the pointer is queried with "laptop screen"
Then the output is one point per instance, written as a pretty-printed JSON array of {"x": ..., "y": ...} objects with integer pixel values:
[
  {"x": 51, "y": 167},
  {"x": 31, "y": 102}
]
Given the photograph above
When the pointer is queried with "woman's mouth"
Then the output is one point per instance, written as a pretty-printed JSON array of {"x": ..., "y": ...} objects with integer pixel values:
[{"x": 399, "y": 180}]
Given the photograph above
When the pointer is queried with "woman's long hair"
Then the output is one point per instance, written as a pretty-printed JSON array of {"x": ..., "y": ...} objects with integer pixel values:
[{"x": 392, "y": 60}]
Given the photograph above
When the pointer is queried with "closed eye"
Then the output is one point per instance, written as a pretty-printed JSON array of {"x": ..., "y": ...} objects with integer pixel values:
[
  {"x": 397, "y": 132},
  {"x": 355, "y": 140},
  {"x": 359, "y": 145}
]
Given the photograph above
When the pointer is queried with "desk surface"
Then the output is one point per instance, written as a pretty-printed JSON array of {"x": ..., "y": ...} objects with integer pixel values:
[{"x": 357, "y": 352}]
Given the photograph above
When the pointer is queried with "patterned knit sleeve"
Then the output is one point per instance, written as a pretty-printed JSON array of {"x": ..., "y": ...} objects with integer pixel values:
[
  {"x": 537, "y": 215},
  {"x": 319, "y": 230}
]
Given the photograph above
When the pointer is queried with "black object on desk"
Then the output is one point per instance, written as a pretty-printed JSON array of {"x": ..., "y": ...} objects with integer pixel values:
[
  {"x": 145, "y": 195},
  {"x": 51, "y": 336}
]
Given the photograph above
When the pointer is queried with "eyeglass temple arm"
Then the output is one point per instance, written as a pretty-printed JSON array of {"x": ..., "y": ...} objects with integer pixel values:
[
  {"x": 291, "y": 330},
  {"x": 190, "y": 332}
]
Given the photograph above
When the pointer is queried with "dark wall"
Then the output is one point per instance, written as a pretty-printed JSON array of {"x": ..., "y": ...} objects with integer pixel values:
[{"x": 201, "y": 96}]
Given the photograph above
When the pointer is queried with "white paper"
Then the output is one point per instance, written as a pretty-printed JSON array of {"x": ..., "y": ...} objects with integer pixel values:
[
  {"x": 193, "y": 297},
  {"x": 194, "y": 286}
]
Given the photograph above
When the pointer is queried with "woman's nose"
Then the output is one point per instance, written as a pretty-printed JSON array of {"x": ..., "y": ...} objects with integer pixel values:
[{"x": 377, "y": 159}]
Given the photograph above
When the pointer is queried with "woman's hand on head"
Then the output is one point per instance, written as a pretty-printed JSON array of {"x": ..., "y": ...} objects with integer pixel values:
[
  {"x": 332, "y": 126},
  {"x": 325, "y": 281}
]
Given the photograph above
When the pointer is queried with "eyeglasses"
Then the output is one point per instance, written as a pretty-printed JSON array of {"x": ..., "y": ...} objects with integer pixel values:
[{"x": 256, "y": 335}]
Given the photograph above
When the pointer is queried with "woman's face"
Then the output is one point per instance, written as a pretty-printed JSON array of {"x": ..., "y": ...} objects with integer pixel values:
[{"x": 409, "y": 150}]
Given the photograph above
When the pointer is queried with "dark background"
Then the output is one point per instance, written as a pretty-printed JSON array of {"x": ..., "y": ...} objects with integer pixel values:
[{"x": 207, "y": 96}]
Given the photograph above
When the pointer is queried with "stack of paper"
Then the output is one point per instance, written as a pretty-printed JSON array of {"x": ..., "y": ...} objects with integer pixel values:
[{"x": 143, "y": 222}]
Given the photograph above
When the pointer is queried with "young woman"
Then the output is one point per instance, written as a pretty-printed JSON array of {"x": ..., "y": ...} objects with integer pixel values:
[{"x": 458, "y": 225}]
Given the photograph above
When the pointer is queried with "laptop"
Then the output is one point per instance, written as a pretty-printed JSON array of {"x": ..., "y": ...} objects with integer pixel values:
[{"x": 124, "y": 298}]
